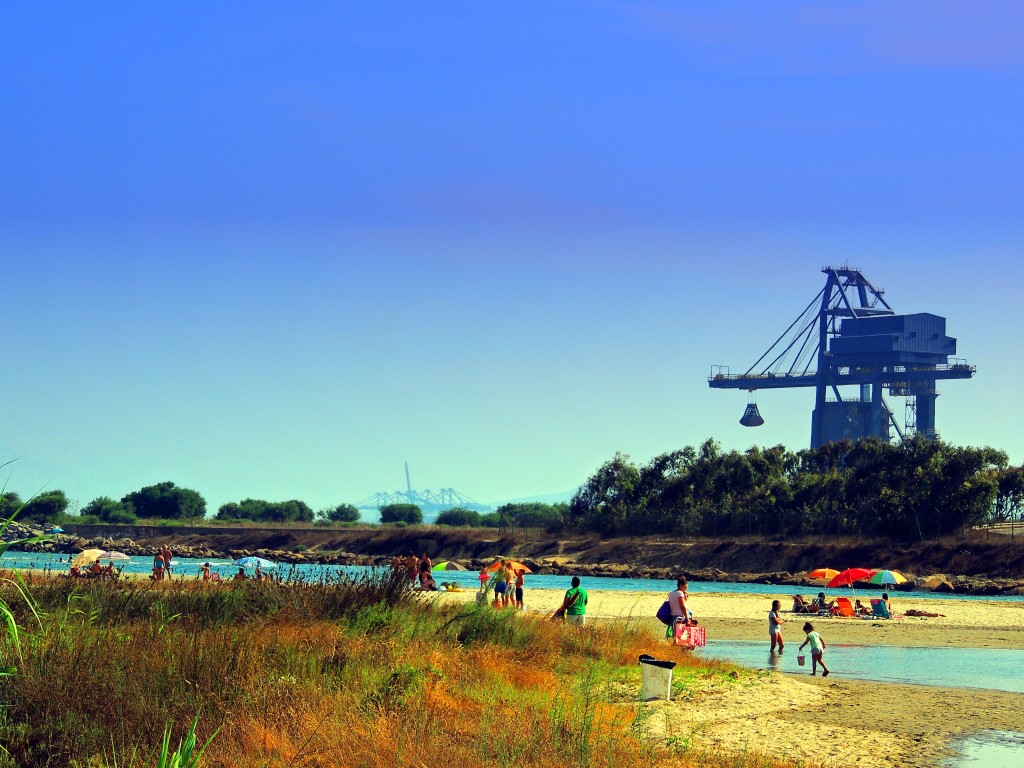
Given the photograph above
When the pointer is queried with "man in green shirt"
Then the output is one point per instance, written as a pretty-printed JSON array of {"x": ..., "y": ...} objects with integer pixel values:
[{"x": 574, "y": 606}]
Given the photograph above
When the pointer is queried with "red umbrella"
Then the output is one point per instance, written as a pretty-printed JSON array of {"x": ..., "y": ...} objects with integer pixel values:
[{"x": 851, "y": 575}]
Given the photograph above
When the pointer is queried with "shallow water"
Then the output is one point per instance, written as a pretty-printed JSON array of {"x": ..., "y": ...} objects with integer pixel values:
[
  {"x": 988, "y": 749},
  {"x": 995, "y": 669},
  {"x": 189, "y": 567}
]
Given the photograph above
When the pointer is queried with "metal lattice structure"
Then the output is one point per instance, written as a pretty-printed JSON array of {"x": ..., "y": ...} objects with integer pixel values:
[
  {"x": 849, "y": 335},
  {"x": 430, "y": 502}
]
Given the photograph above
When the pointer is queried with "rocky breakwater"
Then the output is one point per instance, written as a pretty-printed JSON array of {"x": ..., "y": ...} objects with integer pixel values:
[{"x": 561, "y": 565}]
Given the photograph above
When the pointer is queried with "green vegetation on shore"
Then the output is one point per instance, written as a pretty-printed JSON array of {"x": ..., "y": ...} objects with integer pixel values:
[
  {"x": 353, "y": 673},
  {"x": 917, "y": 490}
]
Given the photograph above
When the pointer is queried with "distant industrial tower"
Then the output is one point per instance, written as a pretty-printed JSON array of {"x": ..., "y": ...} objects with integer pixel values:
[
  {"x": 853, "y": 337},
  {"x": 430, "y": 502}
]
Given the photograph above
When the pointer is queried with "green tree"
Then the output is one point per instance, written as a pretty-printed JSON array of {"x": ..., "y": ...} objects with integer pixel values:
[
  {"x": 44, "y": 508},
  {"x": 10, "y": 502},
  {"x": 534, "y": 514},
  {"x": 260, "y": 510},
  {"x": 608, "y": 500},
  {"x": 343, "y": 513},
  {"x": 165, "y": 501},
  {"x": 458, "y": 516},
  {"x": 401, "y": 513},
  {"x": 108, "y": 510}
]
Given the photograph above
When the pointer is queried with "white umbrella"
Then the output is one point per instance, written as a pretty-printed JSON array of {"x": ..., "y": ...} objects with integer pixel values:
[
  {"x": 255, "y": 562},
  {"x": 112, "y": 555}
]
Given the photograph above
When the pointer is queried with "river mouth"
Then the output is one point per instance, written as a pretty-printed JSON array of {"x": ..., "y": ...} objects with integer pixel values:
[
  {"x": 993, "y": 669},
  {"x": 988, "y": 749}
]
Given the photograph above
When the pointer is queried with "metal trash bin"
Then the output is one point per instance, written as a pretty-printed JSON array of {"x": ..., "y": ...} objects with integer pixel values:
[{"x": 655, "y": 678}]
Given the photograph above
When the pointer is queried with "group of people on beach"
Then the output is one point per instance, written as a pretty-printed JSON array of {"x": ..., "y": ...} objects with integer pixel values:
[
  {"x": 95, "y": 571},
  {"x": 418, "y": 570},
  {"x": 162, "y": 564},
  {"x": 822, "y": 605},
  {"x": 508, "y": 584}
]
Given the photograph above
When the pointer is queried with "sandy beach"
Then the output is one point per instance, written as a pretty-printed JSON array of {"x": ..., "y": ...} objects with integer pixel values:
[
  {"x": 832, "y": 722},
  {"x": 731, "y": 616}
]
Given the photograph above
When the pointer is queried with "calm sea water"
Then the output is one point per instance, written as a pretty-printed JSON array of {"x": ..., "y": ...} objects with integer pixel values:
[
  {"x": 995, "y": 669},
  {"x": 468, "y": 580},
  {"x": 989, "y": 749}
]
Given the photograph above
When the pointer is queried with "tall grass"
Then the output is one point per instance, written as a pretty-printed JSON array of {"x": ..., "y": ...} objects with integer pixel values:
[{"x": 340, "y": 673}]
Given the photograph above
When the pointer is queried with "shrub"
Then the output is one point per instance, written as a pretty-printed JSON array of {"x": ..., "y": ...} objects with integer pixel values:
[
  {"x": 405, "y": 513},
  {"x": 458, "y": 516}
]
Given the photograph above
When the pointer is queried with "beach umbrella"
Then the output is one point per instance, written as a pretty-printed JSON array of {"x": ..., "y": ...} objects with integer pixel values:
[
  {"x": 448, "y": 565},
  {"x": 87, "y": 557},
  {"x": 514, "y": 564},
  {"x": 849, "y": 576},
  {"x": 888, "y": 577},
  {"x": 112, "y": 555},
  {"x": 255, "y": 562},
  {"x": 823, "y": 573}
]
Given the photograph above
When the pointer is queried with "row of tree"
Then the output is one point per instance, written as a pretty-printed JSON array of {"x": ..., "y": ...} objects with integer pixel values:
[
  {"x": 164, "y": 501},
  {"x": 915, "y": 490},
  {"x": 550, "y": 517}
]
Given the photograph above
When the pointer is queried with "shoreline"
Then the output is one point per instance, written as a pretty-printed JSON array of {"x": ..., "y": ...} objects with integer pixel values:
[
  {"x": 833, "y": 722},
  {"x": 741, "y": 616}
]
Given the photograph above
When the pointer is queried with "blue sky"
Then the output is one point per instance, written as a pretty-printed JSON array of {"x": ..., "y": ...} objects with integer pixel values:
[{"x": 276, "y": 251}]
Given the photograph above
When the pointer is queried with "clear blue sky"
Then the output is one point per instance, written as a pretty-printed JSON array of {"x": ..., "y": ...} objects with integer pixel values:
[{"x": 275, "y": 250}]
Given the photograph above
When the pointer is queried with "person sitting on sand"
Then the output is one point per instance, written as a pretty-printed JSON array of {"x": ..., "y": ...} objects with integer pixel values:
[
  {"x": 426, "y": 577},
  {"x": 95, "y": 570},
  {"x": 822, "y": 603},
  {"x": 859, "y": 609},
  {"x": 800, "y": 605},
  {"x": 76, "y": 572},
  {"x": 240, "y": 576},
  {"x": 888, "y": 603}
]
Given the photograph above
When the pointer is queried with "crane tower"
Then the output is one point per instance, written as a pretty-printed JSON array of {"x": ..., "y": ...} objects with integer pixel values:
[{"x": 849, "y": 336}]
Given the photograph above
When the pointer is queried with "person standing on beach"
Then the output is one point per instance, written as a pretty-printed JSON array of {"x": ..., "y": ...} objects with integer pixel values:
[
  {"x": 817, "y": 650},
  {"x": 412, "y": 568},
  {"x": 677, "y": 605},
  {"x": 519, "y": 588},
  {"x": 158, "y": 566},
  {"x": 775, "y": 626},
  {"x": 165, "y": 553},
  {"x": 574, "y": 606}
]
